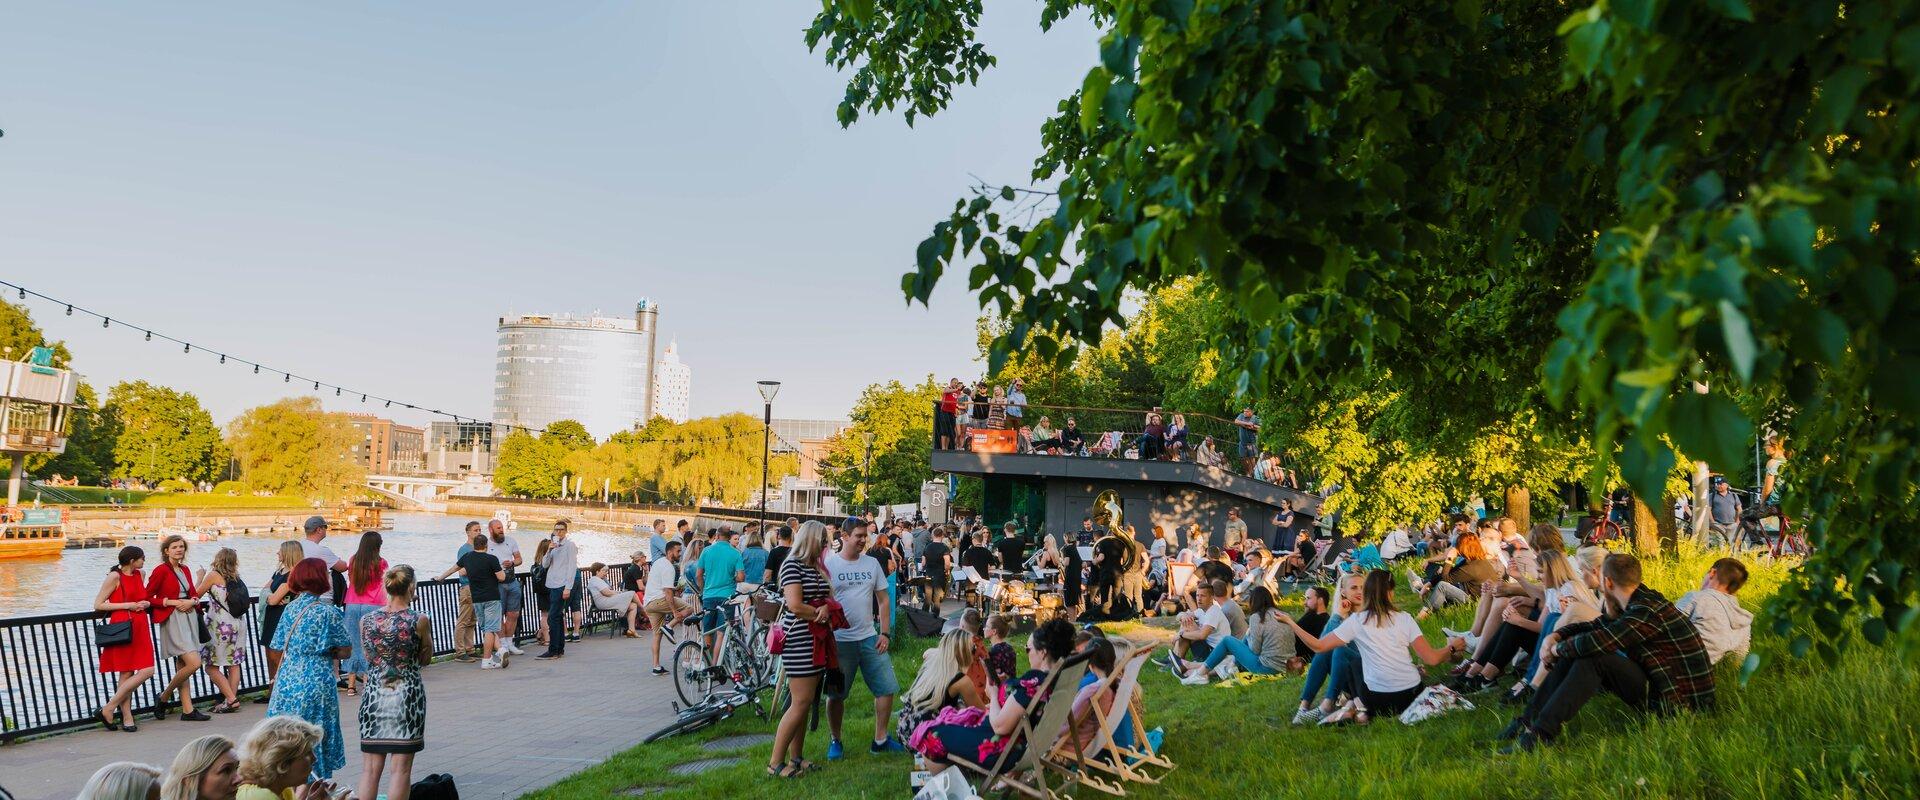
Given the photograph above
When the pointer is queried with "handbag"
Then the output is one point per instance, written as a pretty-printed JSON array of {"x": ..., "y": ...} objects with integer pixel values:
[
  {"x": 438, "y": 786},
  {"x": 109, "y": 634}
]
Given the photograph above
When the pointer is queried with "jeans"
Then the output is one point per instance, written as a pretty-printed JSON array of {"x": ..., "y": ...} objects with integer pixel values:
[
  {"x": 1445, "y": 594},
  {"x": 1546, "y": 627},
  {"x": 556, "y": 620},
  {"x": 1243, "y": 657},
  {"x": 1575, "y": 681},
  {"x": 1340, "y": 664}
]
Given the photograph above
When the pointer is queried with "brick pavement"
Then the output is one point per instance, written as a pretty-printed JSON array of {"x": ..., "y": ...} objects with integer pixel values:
[{"x": 500, "y": 733}]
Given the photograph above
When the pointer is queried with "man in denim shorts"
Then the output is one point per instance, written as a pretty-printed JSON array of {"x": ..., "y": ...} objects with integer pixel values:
[
  {"x": 860, "y": 586},
  {"x": 511, "y": 597}
]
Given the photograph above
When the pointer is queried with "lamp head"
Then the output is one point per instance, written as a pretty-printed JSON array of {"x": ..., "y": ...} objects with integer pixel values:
[{"x": 768, "y": 389}]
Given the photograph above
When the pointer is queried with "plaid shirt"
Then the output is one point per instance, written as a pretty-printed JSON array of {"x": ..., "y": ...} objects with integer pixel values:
[{"x": 1659, "y": 638}]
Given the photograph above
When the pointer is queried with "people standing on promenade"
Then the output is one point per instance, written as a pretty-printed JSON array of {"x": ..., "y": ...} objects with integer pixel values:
[
  {"x": 279, "y": 593},
  {"x": 207, "y": 768},
  {"x": 721, "y": 570},
  {"x": 125, "y": 594},
  {"x": 313, "y": 547},
  {"x": 363, "y": 596},
  {"x": 176, "y": 609},
  {"x": 782, "y": 545},
  {"x": 806, "y": 592},
  {"x": 512, "y": 600},
  {"x": 753, "y": 557},
  {"x": 122, "y": 780},
  {"x": 563, "y": 571},
  {"x": 278, "y": 755},
  {"x": 313, "y": 635},
  {"x": 861, "y": 591},
  {"x": 657, "y": 543},
  {"x": 484, "y": 574},
  {"x": 226, "y": 648},
  {"x": 393, "y": 714},
  {"x": 464, "y": 637}
]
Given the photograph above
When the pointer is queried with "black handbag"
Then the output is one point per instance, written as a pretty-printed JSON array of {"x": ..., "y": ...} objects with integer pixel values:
[
  {"x": 438, "y": 786},
  {"x": 108, "y": 634}
]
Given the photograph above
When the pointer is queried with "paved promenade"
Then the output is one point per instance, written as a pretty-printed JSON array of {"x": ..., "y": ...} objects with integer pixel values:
[{"x": 500, "y": 733}]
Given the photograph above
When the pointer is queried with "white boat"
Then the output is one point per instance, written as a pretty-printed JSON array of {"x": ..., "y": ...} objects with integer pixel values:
[
  {"x": 190, "y": 534},
  {"x": 506, "y": 519}
]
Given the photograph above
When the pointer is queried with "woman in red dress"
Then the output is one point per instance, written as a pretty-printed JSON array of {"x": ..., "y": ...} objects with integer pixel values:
[{"x": 125, "y": 594}]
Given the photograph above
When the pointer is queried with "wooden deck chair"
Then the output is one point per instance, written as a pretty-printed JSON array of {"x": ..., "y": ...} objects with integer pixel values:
[
  {"x": 1133, "y": 762},
  {"x": 1077, "y": 759},
  {"x": 1034, "y": 736}
]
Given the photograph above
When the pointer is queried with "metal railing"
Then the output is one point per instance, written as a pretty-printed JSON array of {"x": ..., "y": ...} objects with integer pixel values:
[
  {"x": 1127, "y": 426},
  {"x": 50, "y": 678}
]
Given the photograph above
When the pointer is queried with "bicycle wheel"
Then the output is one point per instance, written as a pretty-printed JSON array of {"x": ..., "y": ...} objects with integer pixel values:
[
  {"x": 692, "y": 674},
  {"x": 685, "y": 724}
]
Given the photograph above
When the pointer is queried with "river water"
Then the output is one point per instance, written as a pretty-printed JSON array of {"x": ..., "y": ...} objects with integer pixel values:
[{"x": 68, "y": 582}]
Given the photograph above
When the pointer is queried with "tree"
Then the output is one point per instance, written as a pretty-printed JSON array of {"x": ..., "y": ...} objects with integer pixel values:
[
  {"x": 568, "y": 434},
  {"x": 294, "y": 447},
  {"x": 19, "y": 335},
  {"x": 529, "y": 466},
  {"x": 91, "y": 434},
  {"x": 706, "y": 458},
  {"x": 164, "y": 434},
  {"x": 901, "y": 421},
  {"x": 1597, "y": 211}
]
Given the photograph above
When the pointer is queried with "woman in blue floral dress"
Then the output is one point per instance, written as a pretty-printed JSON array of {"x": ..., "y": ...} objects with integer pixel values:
[
  {"x": 980, "y": 737},
  {"x": 313, "y": 634}
]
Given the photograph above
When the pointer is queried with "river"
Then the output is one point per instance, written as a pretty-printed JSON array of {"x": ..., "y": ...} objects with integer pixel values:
[{"x": 68, "y": 582}]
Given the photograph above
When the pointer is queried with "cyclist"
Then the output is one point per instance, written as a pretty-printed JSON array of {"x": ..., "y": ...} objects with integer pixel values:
[{"x": 664, "y": 606}]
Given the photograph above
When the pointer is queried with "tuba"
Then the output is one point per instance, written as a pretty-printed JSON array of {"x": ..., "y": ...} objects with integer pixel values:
[{"x": 1106, "y": 510}]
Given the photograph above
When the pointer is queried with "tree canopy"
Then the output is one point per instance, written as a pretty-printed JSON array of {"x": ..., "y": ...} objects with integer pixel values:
[
  {"x": 709, "y": 458},
  {"x": 164, "y": 434},
  {"x": 900, "y": 417},
  {"x": 294, "y": 447},
  {"x": 1652, "y": 224}
]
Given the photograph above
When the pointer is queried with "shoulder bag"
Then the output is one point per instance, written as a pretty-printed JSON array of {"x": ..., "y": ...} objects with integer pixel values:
[{"x": 109, "y": 634}]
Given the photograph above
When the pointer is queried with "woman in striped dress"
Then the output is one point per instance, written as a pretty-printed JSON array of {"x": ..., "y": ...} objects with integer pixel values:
[{"x": 803, "y": 584}]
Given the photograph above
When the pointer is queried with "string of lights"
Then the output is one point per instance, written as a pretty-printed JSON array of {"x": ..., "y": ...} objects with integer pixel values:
[{"x": 290, "y": 377}]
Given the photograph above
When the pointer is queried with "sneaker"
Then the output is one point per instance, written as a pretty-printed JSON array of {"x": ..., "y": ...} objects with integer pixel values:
[
  {"x": 1518, "y": 698},
  {"x": 573, "y": 637},
  {"x": 659, "y": 670},
  {"x": 1194, "y": 680},
  {"x": 510, "y": 647},
  {"x": 1514, "y": 728},
  {"x": 1177, "y": 664},
  {"x": 1308, "y": 715},
  {"x": 488, "y": 663},
  {"x": 1521, "y": 744},
  {"x": 466, "y": 658},
  {"x": 546, "y": 656},
  {"x": 835, "y": 751},
  {"x": 888, "y": 746}
]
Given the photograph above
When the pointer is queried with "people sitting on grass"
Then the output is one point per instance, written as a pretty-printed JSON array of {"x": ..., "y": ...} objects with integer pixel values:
[
  {"x": 1337, "y": 670},
  {"x": 1725, "y": 628},
  {"x": 1568, "y": 602},
  {"x": 1264, "y": 650},
  {"x": 1644, "y": 651},
  {"x": 1385, "y": 635},
  {"x": 1463, "y": 569},
  {"x": 981, "y": 739},
  {"x": 941, "y": 684},
  {"x": 1002, "y": 662},
  {"x": 1201, "y": 629}
]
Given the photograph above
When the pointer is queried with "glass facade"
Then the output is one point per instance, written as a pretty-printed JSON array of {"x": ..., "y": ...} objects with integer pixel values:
[{"x": 598, "y": 371}]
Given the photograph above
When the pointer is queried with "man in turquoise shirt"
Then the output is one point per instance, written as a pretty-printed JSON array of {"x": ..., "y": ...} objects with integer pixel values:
[{"x": 721, "y": 568}]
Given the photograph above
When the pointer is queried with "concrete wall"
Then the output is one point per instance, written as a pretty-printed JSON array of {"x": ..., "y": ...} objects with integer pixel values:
[{"x": 105, "y": 521}]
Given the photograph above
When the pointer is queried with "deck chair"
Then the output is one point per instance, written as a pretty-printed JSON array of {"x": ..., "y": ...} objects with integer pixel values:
[
  {"x": 1080, "y": 760},
  {"x": 1035, "y": 736},
  {"x": 1108, "y": 443},
  {"x": 1132, "y": 762}
]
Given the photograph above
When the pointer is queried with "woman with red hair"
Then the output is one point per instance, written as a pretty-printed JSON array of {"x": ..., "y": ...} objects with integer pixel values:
[
  {"x": 1461, "y": 582},
  {"x": 313, "y": 634}
]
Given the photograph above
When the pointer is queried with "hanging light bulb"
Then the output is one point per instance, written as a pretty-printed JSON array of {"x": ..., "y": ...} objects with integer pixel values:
[
  {"x": 187, "y": 348},
  {"x": 316, "y": 386},
  {"x": 336, "y": 391},
  {"x": 149, "y": 336},
  {"x": 69, "y": 309},
  {"x": 363, "y": 398},
  {"x": 286, "y": 378},
  {"x": 23, "y": 294},
  {"x": 256, "y": 369},
  {"x": 105, "y": 322},
  {"x": 389, "y": 404},
  {"x": 223, "y": 358}
]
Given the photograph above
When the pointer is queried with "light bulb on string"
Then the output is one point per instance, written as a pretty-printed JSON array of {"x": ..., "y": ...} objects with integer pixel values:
[
  {"x": 69, "y": 309},
  {"x": 223, "y": 358},
  {"x": 286, "y": 378},
  {"x": 256, "y": 369},
  {"x": 316, "y": 386},
  {"x": 149, "y": 336},
  {"x": 389, "y": 404},
  {"x": 336, "y": 391},
  {"x": 363, "y": 398},
  {"x": 186, "y": 348},
  {"x": 106, "y": 322},
  {"x": 23, "y": 294}
]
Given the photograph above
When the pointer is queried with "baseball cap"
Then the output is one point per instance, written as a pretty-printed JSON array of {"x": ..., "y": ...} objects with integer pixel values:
[{"x": 314, "y": 523}]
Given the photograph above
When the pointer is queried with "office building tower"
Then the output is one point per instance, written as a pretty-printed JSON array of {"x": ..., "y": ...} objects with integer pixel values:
[
  {"x": 595, "y": 370},
  {"x": 672, "y": 385}
]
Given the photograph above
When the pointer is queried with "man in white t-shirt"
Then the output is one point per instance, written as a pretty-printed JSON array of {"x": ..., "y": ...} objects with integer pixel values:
[
  {"x": 1199, "y": 631},
  {"x": 311, "y": 547},
  {"x": 512, "y": 599},
  {"x": 662, "y": 601},
  {"x": 860, "y": 586}
]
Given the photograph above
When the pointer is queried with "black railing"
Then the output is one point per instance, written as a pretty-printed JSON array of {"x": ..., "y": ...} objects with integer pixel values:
[
  {"x": 1117, "y": 433},
  {"x": 50, "y": 678},
  {"x": 588, "y": 503}
]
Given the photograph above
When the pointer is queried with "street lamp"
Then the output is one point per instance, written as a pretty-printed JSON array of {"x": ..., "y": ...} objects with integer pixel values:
[
  {"x": 866, "y": 467},
  {"x": 767, "y": 390}
]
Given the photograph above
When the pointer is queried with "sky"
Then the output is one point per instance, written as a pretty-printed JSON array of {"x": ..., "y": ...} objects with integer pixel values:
[{"x": 356, "y": 191}]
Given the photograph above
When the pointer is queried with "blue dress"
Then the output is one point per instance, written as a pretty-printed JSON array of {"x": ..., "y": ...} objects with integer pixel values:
[{"x": 309, "y": 630}]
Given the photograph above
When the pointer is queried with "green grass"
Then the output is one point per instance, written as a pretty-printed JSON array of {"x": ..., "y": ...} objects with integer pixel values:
[
  {"x": 94, "y": 495},
  {"x": 1797, "y": 729}
]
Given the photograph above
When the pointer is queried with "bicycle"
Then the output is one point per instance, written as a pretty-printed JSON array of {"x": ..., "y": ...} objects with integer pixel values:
[{"x": 697, "y": 674}]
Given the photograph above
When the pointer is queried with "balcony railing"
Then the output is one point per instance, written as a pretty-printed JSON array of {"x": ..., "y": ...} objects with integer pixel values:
[{"x": 1121, "y": 433}]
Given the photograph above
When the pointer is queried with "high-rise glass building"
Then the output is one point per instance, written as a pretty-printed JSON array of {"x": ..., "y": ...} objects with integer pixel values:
[
  {"x": 672, "y": 385},
  {"x": 596, "y": 370}
]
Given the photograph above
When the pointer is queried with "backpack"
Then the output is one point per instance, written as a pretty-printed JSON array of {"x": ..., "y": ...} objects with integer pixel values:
[{"x": 239, "y": 599}]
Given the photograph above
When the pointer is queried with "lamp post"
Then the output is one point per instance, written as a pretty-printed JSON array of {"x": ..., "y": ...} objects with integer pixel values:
[
  {"x": 866, "y": 467},
  {"x": 767, "y": 390}
]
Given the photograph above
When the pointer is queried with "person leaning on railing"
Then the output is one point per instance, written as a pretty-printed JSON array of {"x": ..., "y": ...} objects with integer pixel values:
[{"x": 125, "y": 594}]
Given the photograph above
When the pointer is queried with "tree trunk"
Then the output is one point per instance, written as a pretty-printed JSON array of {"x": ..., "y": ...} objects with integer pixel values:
[
  {"x": 1519, "y": 506},
  {"x": 1668, "y": 526},
  {"x": 1646, "y": 527}
]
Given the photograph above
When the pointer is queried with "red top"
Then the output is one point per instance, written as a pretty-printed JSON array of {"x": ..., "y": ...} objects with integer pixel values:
[
  {"x": 950, "y": 402},
  {"x": 168, "y": 582}
]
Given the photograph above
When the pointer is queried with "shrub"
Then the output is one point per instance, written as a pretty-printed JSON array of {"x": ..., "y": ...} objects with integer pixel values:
[
  {"x": 175, "y": 485},
  {"x": 235, "y": 488}
]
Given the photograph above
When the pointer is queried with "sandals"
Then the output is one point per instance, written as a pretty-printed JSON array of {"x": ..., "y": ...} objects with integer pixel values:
[
  {"x": 785, "y": 770},
  {"x": 803, "y": 766}
]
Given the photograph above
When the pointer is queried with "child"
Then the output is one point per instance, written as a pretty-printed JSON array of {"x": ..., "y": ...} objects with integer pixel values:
[{"x": 1002, "y": 664}]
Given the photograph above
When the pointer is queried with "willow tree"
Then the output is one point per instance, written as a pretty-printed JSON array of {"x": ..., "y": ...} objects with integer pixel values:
[{"x": 1608, "y": 209}]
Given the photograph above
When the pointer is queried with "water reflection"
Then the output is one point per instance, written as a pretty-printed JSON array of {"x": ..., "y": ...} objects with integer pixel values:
[{"x": 67, "y": 582}]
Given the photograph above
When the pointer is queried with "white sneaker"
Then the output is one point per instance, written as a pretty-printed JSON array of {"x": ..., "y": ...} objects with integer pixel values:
[
  {"x": 1194, "y": 680},
  {"x": 510, "y": 647},
  {"x": 489, "y": 663},
  {"x": 1310, "y": 714}
]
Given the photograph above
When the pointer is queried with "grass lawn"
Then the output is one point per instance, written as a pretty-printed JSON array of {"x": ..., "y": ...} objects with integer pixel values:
[
  {"x": 1797, "y": 729},
  {"x": 94, "y": 495}
]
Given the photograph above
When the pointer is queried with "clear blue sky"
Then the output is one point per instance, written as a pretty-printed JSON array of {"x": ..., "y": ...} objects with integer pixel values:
[{"x": 356, "y": 190}]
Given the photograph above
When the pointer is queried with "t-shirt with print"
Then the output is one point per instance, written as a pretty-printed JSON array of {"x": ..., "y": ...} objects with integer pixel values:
[
  {"x": 1386, "y": 660},
  {"x": 854, "y": 583},
  {"x": 481, "y": 568}
]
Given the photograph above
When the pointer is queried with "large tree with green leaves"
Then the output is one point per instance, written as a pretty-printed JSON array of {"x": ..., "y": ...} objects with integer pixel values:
[
  {"x": 164, "y": 434},
  {"x": 294, "y": 447},
  {"x": 1669, "y": 221},
  {"x": 900, "y": 419}
]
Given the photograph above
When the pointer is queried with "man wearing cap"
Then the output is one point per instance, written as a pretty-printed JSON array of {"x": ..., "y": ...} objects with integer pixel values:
[
  {"x": 1725, "y": 525},
  {"x": 311, "y": 547}
]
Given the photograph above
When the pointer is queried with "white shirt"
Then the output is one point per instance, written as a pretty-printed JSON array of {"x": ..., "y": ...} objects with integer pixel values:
[
  {"x": 1386, "y": 657},
  {"x": 660, "y": 579},
  {"x": 563, "y": 564},
  {"x": 854, "y": 583},
  {"x": 506, "y": 550},
  {"x": 312, "y": 549},
  {"x": 1215, "y": 615}
]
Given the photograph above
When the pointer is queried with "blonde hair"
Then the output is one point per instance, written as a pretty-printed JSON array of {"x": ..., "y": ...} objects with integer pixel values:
[
  {"x": 1555, "y": 569},
  {"x": 272, "y": 746},
  {"x": 290, "y": 554},
  {"x": 1588, "y": 560},
  {"x": 121, "y": 780},
  {"x": 227, "y": 563},
  {"x": 808, "y": 542},
  {"x": 944, "y": 663},
  {"x": 182, "y": 781},
  {"x": 399, "y": 581}
]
